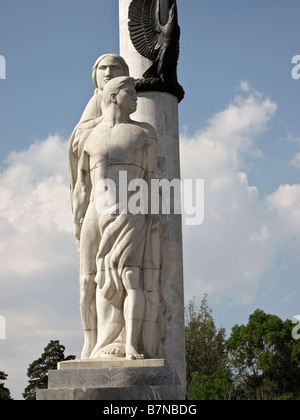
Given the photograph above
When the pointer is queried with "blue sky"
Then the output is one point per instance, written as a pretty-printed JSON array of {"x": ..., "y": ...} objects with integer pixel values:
[{"x": 240, "y": 132}]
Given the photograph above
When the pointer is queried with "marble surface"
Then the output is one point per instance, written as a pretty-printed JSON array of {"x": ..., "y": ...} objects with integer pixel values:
[
  {"x": 110, "y": 362},
  {"x": 112, "y": 377},
  {"x": 145, "y": 393}
]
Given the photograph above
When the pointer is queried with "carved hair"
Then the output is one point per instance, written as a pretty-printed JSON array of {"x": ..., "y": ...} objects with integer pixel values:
[
  {"x": 114, "y": 86},
  {"x": 119, "y": 59}
]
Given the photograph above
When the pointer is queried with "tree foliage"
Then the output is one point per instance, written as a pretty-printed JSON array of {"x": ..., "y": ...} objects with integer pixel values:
[
  {"x": 38, "y": 370},
  {"x": 4, "y": 392},
  {"x": 208, "y": 376},
  {"x": 260, "y": 360},
  {"x": 265, "y": 358}
]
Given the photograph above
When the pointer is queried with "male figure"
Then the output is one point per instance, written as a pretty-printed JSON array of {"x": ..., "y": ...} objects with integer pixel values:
[
  {"x": 106, "y": 67},
  {"x": 119, "y": 252}
]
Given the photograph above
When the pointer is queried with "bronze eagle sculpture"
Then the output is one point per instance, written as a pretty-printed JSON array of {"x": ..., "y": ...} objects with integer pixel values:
[{"x": 156, "y": 37}]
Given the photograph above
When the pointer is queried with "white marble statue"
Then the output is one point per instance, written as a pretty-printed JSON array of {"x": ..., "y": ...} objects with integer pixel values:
[
  {"x": 106, "y": 67},
  {"x": 119, "y": 258}
]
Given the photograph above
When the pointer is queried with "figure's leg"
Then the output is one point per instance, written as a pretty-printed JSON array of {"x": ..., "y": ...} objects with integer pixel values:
[
  {"x": 88, "y": 249},
  {"x": 134, "y": 306},
  {"x": 110, "y": 326},
  {"x": 88, "y": 313}
]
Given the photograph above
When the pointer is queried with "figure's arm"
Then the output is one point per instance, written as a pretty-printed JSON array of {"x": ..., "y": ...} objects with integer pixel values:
[
  {"x": 151, "y": 171},
  {"x": 81, "y": 194}
]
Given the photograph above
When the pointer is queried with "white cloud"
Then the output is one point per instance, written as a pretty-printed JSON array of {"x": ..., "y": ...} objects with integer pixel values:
[
  {"x": 295, "y": 161},
  {"x": 244, "y": 86},
  {"x": 43, "y": 158},
  {"x": 242, "y": 233},
  {"x": 34, "y": 206},
  {"x": 284, "y": 205},
  {"x": 289, "y": 296},
  {"x": 38, "y": 278}
]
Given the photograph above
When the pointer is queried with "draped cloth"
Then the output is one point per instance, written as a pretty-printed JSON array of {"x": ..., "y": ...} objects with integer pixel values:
[
  {"x": 126, "y": 242},
  {"x": 122, "y": 246}
]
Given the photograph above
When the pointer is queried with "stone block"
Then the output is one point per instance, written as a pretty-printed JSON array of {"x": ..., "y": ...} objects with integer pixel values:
[
  {"x": 143, "y": 393},
  {"x": 102, "y": 380}
]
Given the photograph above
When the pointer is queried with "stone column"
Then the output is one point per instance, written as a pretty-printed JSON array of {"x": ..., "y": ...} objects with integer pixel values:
[{"x": 161, "y": 111}]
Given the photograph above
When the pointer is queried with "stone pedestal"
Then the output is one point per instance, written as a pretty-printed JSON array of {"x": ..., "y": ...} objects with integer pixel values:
[{"x": 113, "y": 380}]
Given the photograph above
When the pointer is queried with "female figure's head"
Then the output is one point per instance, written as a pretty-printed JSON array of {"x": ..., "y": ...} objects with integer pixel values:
[{"x": 107, "y": 67}]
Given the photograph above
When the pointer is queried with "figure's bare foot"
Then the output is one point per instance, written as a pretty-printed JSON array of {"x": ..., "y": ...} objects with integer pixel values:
[
  {"x": 132, "y": 354},
  {"x": 113, "y": 350}
]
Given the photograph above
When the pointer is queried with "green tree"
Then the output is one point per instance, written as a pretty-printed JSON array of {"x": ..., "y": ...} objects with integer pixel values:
[
  {"x": 265, "y": 358},
  {"x": 208, "y": 374},
  {"x": 4, "y": 392},
  {"x": 38, "y": 370}
]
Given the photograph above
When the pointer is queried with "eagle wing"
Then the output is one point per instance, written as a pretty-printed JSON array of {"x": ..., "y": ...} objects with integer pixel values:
[{"x": 144, "y": 27}]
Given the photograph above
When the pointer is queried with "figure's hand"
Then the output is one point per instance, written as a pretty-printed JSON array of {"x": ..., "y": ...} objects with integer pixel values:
[{"x": 77, "y": 228}]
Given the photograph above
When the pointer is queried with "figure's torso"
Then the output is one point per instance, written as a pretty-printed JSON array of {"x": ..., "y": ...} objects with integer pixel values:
[{"x": 124, "y": 147}]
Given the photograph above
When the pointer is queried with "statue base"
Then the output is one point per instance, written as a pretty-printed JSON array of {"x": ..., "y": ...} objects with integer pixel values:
[{"x": 113, "y": 379}]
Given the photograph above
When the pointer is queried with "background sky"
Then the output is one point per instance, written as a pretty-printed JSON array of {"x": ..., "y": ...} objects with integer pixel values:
[{"x": 240, "y": 132}]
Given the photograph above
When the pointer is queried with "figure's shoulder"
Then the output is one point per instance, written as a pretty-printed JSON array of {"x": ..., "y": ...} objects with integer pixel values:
[{"x": 148, "y": 128}]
